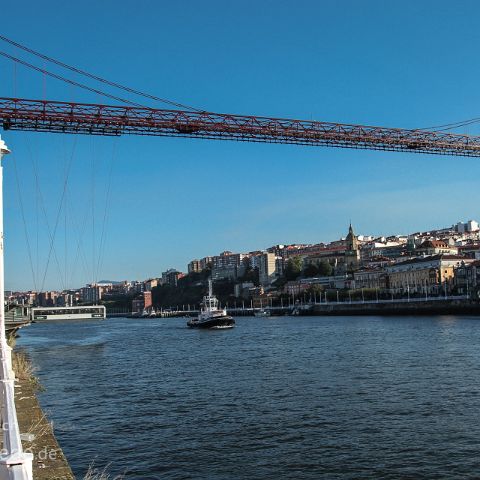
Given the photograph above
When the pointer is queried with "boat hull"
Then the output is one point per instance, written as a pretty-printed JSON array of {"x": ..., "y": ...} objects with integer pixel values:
[{"x": 216, "y": 323}]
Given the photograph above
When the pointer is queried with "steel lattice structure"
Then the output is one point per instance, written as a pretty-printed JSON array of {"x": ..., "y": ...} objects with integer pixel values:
[{"x": 64, "y": 117}]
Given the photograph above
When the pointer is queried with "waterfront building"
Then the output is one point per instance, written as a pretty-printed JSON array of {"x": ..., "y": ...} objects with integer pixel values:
[
  {"x": 142, "y": 302},
  {"x": 370, "y": 278},
  {"x": 467, "y": 279},
  {"x": 430, "y": 275}
]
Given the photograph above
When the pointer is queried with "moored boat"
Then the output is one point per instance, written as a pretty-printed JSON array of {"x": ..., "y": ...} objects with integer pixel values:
[{"x": 211, "y": 316}]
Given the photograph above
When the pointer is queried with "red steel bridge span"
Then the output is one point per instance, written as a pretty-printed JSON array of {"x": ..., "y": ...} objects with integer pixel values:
[{"x": 94, "y": 119}]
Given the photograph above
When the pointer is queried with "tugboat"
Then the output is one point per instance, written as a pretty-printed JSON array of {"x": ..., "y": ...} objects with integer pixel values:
[{"x": 210, "y": 315}]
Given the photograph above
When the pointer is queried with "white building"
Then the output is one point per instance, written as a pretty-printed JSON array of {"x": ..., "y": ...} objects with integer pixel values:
[
  {"x": 267, "y": 268},
  {"x": 470, "y": 226}
]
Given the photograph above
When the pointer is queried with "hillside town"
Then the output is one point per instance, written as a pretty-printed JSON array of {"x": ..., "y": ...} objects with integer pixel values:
[{"x": 431, "y": 263}]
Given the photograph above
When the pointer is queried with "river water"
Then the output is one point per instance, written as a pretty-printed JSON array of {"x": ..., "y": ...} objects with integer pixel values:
[{"x": 273, "y": 398}]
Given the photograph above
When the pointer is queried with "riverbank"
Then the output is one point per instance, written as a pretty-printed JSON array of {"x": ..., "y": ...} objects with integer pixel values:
[{"x": 38, "y": 437}]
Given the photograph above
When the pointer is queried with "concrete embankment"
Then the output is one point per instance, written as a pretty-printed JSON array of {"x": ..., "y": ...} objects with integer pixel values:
[
  {"x": 49, "y": 462},
  {"x": 436, "y": 307}
]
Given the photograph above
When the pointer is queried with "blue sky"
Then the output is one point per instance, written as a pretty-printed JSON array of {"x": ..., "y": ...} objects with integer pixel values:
[{"x": 401, "y": 64}]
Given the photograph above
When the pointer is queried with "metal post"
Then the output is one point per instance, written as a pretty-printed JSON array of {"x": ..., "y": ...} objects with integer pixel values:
[{"x": 14, "y": 463}]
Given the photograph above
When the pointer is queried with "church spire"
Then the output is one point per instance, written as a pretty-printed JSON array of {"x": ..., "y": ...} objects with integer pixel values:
[
  {"x": 351, "y": 240},
  {"x": 350, "y": 229}
]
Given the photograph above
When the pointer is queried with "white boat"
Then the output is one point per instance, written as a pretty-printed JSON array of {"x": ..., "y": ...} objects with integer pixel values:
[
  {"x": 262, "y": 312},
  {"x": 210, "y": 315}
]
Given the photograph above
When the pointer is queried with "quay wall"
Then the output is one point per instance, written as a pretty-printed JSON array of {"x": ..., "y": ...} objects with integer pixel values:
[{"x": 437, "y": 307}]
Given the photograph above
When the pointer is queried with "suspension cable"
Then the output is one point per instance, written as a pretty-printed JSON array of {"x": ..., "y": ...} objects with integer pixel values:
[
  {"x": 105, "y": 213},
  {"x": 47, "y": 223},
  {"x": 72, "y": 82},
  {"x": 96, "y": 77},
  {"x": 451, "y": 126},
  {"x": 25, "y": 228}
]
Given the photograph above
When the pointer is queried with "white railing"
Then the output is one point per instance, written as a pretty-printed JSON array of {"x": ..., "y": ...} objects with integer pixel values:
[{"x": 15, "y": 464}]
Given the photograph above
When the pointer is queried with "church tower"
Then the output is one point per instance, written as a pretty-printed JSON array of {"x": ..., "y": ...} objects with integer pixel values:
[
  {"x": 352, "y": 253},
  {"x": 351, "y": 240}
]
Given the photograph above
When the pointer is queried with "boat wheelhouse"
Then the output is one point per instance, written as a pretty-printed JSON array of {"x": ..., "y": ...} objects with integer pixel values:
[{"x": 84, "y": 312}]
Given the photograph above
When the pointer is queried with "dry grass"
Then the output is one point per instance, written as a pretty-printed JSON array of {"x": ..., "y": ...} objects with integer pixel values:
[
  {"x": 24, "y": 370},
  {"x": 22, "y": 366},
  {"x": 40, "y": 427},
  {"x": 94, "y": 473}
]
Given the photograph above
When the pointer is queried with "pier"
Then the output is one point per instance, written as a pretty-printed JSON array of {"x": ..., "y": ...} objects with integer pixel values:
[{"x": 458, "y": 304}]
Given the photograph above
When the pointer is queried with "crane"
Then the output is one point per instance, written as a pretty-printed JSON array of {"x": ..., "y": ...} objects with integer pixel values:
[{"x": 97, "y": 119}]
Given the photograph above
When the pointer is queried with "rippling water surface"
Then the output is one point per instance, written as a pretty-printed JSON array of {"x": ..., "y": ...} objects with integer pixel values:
[{"x": 275, "y": 398}]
